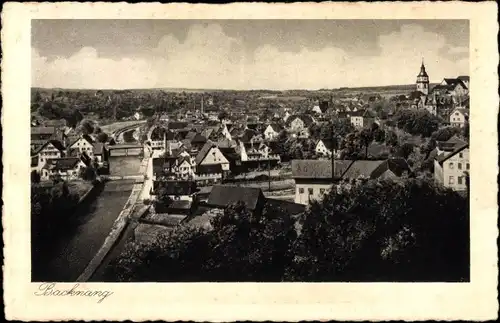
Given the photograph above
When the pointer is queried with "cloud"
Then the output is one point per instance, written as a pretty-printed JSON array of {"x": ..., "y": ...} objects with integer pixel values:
[
  {"x": 85, "y": 69},
  {"x": 208, "y": 58}
]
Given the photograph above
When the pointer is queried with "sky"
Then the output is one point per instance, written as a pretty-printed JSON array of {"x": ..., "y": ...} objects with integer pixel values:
[{"x": 244, "y": 54}]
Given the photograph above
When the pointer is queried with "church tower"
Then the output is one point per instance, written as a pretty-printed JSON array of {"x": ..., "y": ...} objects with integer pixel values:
[{"x": 423, "y": 80}]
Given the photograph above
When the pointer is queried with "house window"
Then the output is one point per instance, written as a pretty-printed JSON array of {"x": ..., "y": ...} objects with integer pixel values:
[
  {"x": 451, "y": 180},
  {"x": 467, "y": 166},
  {"x": 321, "y": 191},
  {"x": 301, "y": 190},
  {"x": 459, "y": 179},
  {"x": 461, "y": 155},
  {"x": 451, "y": 165},
  {"x": 459, "y": 165},
  {"x": 310, "y": 191}
]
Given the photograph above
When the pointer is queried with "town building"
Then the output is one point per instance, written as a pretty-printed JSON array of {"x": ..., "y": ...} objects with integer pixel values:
[
  {"x": 459, "y": 117},
  {"x": 84, "y": 144},
  {"x": 465, "y": 80},
  {"x": 272, "y": 131},
  {"x": 356, "y": 119},
  {"x": 423, "y": 80},
  {"x": 298, "y": 125},
  {"x": 313, "y": 178},
  {"x": 452, "y": 86},
  {"x": 101, "y": 153},
  {"x": 182, "y": 194},
  {"x": 52, "y": 149},
  {"x": 65, "y": 168},
  {"x": 40, "y": 135},
  {"x": 224, "y": 195},
  {"x": 324, "y": 147},
  {"x": 451, "y": 163}
]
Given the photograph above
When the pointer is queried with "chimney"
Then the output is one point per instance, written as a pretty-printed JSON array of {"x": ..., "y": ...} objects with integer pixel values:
[{"x": 202, "y": 104}]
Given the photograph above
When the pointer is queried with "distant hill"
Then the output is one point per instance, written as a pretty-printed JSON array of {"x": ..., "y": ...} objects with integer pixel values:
[{"x": 387, "y": 89}]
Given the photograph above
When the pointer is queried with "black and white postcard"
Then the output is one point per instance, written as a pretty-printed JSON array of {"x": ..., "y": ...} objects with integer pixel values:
[{"x": 250, "y": 161}]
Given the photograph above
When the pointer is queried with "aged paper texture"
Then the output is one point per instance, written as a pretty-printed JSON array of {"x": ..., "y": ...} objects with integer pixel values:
[{"x": 474, "y": 300}]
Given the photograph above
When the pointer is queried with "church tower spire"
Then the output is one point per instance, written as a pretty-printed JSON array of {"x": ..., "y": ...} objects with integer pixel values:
[{"x": 423, "y": 80}]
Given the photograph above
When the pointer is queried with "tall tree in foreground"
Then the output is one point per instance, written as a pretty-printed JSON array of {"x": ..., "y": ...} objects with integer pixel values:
[
  {"x": 385, "y": 231},
  {"x": 241, "y": 246}
]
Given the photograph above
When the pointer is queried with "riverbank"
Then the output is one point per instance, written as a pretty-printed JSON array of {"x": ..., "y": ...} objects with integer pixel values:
[
  {"x": 117, "y": 228},
  {"x": 66, "y": 254}
]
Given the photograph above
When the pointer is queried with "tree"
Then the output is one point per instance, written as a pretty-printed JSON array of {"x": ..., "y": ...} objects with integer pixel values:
[
  {"x": 351, "y": 146},
  {"x": 417, "y": 225},
  {"x": 35, "y": 177},
  {"x": 417, "y": 122},
  {"x": 443, "y": 134},
  {"x": 86, "y": 127},
  {"x": 466, "y": 131},
  {"x": 239, "y": 245},
  {"x": 147, "y": 111},
  {"x": 36, "y": 97},
  {"x": 87, "y": 173},
  {"x": 391, "y": 138},
  {"x": 163, "y": 200},
  {"x": 366, "y": 138},
  {"x": 102, "y": 137},
  {"x": 222, "y": 115},
  {"x": 405, "y": 150}
]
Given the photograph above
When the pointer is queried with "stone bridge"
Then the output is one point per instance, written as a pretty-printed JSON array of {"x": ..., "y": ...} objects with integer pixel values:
[{"x": 126, "y": 150}]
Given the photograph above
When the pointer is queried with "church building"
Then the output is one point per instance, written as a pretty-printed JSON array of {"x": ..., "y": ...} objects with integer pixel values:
[{"x": 423, "y": 80}]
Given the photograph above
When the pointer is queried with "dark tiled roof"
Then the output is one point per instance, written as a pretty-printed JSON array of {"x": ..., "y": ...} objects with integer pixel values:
[
  {"x": 318, "y": 169},
  {"x": 343, "y": 114},
  {"x": 276, "y": 127},
  {"x": 190, "y": 135},
  {"x": 451, "y": 144},
  {"x": 198, "y": 139},
  {"x": 329, "y": 144},
  {"x": 307, "y": 119},
  {"x": 358, "y": 113},
  {"x": 174, "y": 125},
  {"x": 56, "y": 143},
  {"x": 99, "y": 148},
  {"x": 363, "y": 168},
  {"x": 247, "y": 135},
  {"x": 442, "y": 158},
  {"x": 204, "y": 151},
  {"x": 230, "y": 153},
  {"x": 62, "y": 164},
  {"x": 289, "y": 207},
  {"x": 377, "y": 150},
  {"x": 55, "y": 123},
  {"x": 223, "y": 195},
  {"x": 226, "y": 143},
  {"x": 453, "y": 82},
  {"x": 43, "y": 130},
  {"x": 396, "y": 165}
]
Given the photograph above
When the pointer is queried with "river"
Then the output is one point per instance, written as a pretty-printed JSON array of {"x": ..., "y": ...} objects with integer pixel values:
[{"x": 73, "y": 249}]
